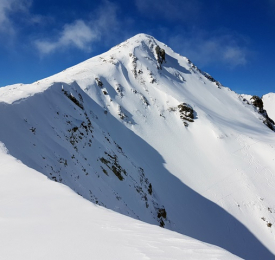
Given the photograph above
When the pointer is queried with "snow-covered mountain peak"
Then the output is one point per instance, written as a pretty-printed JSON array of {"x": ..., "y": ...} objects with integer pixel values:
[{"x": 141, "y": 130}]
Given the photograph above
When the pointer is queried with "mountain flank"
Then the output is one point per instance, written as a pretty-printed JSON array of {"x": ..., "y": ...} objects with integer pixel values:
[{"x": 153, "y": 138}]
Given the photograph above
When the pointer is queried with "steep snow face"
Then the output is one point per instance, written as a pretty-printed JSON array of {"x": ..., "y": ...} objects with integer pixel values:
[
  {"x": 269, "y": 104},
  {"x": 164, "y": 143}
]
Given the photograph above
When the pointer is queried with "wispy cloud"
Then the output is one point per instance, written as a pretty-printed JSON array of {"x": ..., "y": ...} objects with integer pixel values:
[
  {"x": 78, "y": 34},
  {"x": 82, "y": 34},
  {"x": 204, "y": 49},
  {"x": 106, "y": 19},
  {"x": 8, "y": 7}
]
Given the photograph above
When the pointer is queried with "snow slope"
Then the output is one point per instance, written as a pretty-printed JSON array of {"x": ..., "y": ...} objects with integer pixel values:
[
  {"x": 269, "y": 104},
  {"x": 111, "y": 129},
  {"x": 41, "y": 219}
]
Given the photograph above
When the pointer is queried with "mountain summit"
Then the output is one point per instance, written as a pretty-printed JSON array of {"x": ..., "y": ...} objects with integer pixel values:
[{"x": 155, "y": 139}]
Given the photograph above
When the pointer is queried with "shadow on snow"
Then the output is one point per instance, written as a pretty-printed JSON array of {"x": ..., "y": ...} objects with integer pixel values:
[{"x": 190, "y": 213}]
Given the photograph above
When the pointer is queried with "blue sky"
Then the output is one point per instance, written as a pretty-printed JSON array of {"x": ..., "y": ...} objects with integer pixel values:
[{"x": 233, "y": 40}]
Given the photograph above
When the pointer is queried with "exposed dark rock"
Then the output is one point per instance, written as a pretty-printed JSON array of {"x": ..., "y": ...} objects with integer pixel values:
[
  {"x": 162, "y": 213},
  {"x": 114, "y": 165},
  {"x": 73, "y": 99},
  {"x": 150, "y": 189},
  {"x": 258, "y": 103},
  {"x": 186, "y": 112},
  {"x": 99, "y": 82}
]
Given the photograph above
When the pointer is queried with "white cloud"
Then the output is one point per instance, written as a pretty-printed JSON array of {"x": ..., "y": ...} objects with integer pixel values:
[
  {"x": 7, "y": 7},
  {"x": 82, "y": 34},
  {"x": 204, "y": 49},
  {"x": 234, "y": 55},
  {"x": 106, "y": 19},
  {"x": 4, "y": 7},
  {"x": 78, "y": 34}
]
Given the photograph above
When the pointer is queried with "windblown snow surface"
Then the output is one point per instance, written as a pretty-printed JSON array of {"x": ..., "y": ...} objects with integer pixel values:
[{"x": 115, "y": 129}]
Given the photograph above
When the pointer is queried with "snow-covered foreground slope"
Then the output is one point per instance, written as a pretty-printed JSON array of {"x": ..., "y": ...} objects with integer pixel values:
[
  {"x": 41, "y": 219},
  {"x": 114, "y": 129}
]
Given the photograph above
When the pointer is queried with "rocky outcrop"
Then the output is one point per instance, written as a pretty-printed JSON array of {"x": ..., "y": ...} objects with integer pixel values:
[{"x": 258, "y": 103}]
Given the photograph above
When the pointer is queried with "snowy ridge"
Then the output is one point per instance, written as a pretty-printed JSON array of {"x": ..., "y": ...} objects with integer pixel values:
[{"x": 163, "y": 143}]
